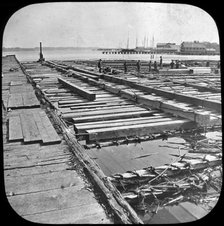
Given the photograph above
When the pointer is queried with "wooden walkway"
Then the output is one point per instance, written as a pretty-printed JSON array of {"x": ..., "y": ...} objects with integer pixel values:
[
  {"x": 41, "y": 182},
  {"x": 41, "y": 186}
]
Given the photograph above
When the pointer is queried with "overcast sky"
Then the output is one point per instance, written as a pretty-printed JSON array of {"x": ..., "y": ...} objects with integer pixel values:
[{"x": 107, "y": 24}]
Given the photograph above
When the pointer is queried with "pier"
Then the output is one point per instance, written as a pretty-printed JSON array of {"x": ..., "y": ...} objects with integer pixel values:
[
  {"x": 40, "y": 183},
  {"x": 133, "y": 137}
]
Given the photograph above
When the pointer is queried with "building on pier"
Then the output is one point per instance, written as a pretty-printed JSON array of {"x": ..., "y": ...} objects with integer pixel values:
[
  {"x": 192, "y": 48},
  {"x": 167, "y": 48}
]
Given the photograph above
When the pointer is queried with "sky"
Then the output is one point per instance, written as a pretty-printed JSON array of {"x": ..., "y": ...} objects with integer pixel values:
[{"x": 107, "y": 24}]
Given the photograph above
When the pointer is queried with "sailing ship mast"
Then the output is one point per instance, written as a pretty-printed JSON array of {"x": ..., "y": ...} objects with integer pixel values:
[{"x": 128, "y": 42}]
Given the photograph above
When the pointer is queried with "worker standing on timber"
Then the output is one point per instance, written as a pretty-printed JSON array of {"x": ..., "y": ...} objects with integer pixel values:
[
  {"x": 172, "y": 64},
  {"x": 150, "y": 66},
  {"x": 125, "y": 67},
  {"x": 207, "y": 64},
  {"x": 100, "y": 65},
  {"x": 155, "y": 66},
  {"x": 138, "y": 66},
  {"x": 161, "y": 62},
  {"x": 177, "y": 64}
]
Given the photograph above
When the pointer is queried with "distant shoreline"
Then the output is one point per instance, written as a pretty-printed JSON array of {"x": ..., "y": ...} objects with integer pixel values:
[{"x": 9, "y": 49}]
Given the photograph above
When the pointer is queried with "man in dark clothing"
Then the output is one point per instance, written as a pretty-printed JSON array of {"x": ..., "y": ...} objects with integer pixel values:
[
  {"x": 161, "y": 62},
  {"x": 172, "y": 64},
  {"x": 155, "y": 66},
  {"x": 207, "y": 64},
  {"x": 100, "y": 65},
  {"x": 150, "y": 66},
  {"x": 138, "y": 65},
  {"x": 125, "y": 67},
  {"x": 177, "y": 64}
]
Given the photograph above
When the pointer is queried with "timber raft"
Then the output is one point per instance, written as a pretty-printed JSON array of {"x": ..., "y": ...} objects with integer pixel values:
[{"x": 140, "y": 147}]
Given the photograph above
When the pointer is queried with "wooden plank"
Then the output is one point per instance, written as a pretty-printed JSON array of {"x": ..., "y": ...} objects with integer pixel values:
[
  {"x": 104, "y": 108},
  {"x": 86, "y": 101},
  {"x": 15, "y": 101},
  {"x": 51, "y": 200},
  {"x": 92, "y": 108},
  {"x": 84, "y": 214},
  {"x": 53, "y": 137},
  {"x": 21, "y": 89},
  {"x": 96, "y": 74},
  {"x": 30, "y": 99},
  {"x": 124, "y": 123},
  {"x": 34, "y": 155},
  {"x": 92, "y": 103},
  {"x": 15, "y": 130},
  {"x": 85, "y": 93},
  {"x": 15, "y": 83},
  {"x": 103, "y": 112},
  {"x": 43, "y": 132},
  {"x": 122, "y": 120},
  {"x": 113, "y": 116},
  {"x": 82, "y": 107},
  {"x": 139, "y": 130},
  {"x": 29, "y": 128},
  {"x": 41, "y": 182}
]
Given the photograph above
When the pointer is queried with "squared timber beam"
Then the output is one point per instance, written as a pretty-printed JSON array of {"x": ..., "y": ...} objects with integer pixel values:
[{"x": 84, "y": 93}]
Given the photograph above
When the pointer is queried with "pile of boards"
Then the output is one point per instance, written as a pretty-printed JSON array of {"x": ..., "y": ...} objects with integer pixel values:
[
  {"x": 27, "y": 121},
  {"x": 31, "y": 125}
]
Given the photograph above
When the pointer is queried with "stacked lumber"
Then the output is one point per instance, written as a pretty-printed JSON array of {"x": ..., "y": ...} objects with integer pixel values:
[
  {"x": 109, "y": 116},
  {"x": 200, "y": 70},
  {"x": 18, "y": 93},
  {"x": 31, "y": 125}
]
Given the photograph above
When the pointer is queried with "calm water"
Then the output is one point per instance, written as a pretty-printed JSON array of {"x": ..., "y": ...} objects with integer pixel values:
[{"x": 95, "y": 55}]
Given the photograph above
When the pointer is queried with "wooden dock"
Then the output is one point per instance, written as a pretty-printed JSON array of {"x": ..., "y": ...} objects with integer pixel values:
[
  {"x": 43, "y": 182},
  {"x": 114, "y": 125}
]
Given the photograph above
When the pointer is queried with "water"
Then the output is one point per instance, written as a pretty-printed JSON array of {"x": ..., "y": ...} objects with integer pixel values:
[{"x": 88, "y": 54}]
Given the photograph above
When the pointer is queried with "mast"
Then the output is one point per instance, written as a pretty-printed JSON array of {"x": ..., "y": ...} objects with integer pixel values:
[
  {"x": 153, "y": 41},
  {"x": 128, "y": 42}
]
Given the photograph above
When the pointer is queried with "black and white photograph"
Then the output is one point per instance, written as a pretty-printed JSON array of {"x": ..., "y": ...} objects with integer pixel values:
[{"x": 111, "y": 113}]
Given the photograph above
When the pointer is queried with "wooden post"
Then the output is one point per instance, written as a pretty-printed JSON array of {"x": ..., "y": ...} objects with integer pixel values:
[{"x": 41, "y": 54}]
